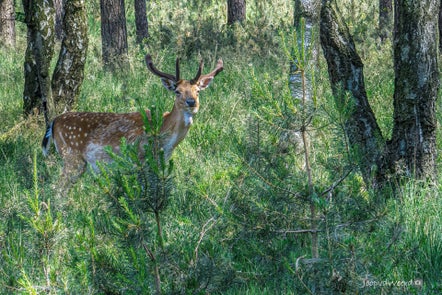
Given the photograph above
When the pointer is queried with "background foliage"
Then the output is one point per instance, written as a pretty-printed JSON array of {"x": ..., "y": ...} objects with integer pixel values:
[{"x": 238, "y": 186}]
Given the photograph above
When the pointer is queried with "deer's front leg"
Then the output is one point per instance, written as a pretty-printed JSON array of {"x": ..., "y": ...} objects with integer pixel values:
[{"x": 74, "y": 166}]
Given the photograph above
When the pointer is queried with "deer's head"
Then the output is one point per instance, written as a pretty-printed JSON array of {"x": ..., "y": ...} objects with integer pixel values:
[{"x": 187, "y": 91}]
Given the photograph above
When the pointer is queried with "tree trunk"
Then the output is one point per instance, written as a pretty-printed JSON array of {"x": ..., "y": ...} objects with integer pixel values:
[
  {"x": 236, "y": 11},
  {"x": 308, "y": 11},
  {"x": 345, "y": 70},
  {"x": 385, "y": 18},
  {"x": 440, "y": 28},
  {"x": 7, "y": 23},
  {"x": 114, "y": 34},
  {"x": 141, "y": 23},
  {"x": 59, "y": 15},
  {"x": 39, "y": 17},
  {"x": 69, "y": 72},
  {"x": 412, "y": 150}
]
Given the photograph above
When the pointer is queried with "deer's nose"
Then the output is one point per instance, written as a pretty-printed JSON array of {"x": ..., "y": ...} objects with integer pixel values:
[{"x": 190, "y": 102}]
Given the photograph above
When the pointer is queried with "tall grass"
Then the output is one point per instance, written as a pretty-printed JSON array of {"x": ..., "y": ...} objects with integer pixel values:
[{"x": 234, "y": 221}]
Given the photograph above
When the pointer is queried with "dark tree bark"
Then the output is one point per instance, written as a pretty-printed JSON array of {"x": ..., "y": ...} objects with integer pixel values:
[
  {"x": 440, "y": 28},
  {"x": 412, "y": 150},
  {"x": 114, "y": 34},
  {"x": 7, "y": 23},
  {"x": 236, "y": 11},
  {"x": 39, "y": 18},
  {"x": 346, "y": 75},
  {"x": 69, "y": 71},
  {"x": 141, "y": 24},
  {"x": 385, "y": 18},
  {"x": 59, "y": 15}
]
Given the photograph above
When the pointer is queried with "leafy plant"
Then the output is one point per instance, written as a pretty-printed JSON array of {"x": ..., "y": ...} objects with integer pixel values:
[{"x": 138, "y": 185}]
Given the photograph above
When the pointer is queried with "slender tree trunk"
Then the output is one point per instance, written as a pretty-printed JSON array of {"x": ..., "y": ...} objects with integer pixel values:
[
  {"x": 141, "y": 23},
  {"x": 412, "y": 150},
  {"x": 69, "y": 71},
  {"x": 114, "y": 34},
  {"x": 308, "y": 11},
  {"x": 346, "y": 75},
  {"x": 39, "y": 17},
  {"x": 306, "y": 18},
  {"x": 7, "y": 23},
  {"x": 236, "y": 11},
  {"x": 385, "y": 18}
]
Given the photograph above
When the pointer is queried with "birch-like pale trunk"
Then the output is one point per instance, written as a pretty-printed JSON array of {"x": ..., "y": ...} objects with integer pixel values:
[
  {"x": 69, "y": 71},
  {"x": 301, "y": 88},
  {"x": 7, "y": 23}
]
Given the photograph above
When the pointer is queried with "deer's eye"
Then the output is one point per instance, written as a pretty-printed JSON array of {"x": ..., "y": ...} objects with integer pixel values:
[{"x": 177, "y": 92}]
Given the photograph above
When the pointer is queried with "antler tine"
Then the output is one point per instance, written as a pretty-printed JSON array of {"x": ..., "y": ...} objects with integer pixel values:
[
  {"x": 160, "y": 74},
  {"x": 218, "y": 68},
  {"x": 198, "y": 74}
]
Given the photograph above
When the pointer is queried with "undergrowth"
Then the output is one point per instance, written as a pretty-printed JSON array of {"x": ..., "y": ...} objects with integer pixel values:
[{"x": 236, "y": 216}]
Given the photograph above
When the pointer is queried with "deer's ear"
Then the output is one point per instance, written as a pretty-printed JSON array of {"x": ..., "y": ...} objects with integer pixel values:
[
  {"x": 168, "y": 84},
  {"x": 204, "y": 82}
]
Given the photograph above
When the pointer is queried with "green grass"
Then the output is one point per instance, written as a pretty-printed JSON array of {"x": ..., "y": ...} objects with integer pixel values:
[{"x": 238, "y": 192}]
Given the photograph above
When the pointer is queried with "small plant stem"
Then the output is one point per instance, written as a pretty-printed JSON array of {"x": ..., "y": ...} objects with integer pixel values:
[
  {"x": 156, "y": 269},
  {"x": 305, "y": 141},
  {"x": 314, "y": 233},
  {"x": 159, "y": 230}
]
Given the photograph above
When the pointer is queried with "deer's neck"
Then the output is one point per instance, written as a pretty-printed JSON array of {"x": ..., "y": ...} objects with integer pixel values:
[{"x": 175, "y": 126}]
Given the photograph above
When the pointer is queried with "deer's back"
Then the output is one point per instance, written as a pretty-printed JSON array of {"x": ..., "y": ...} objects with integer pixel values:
[{"x": 87, "y": 134}]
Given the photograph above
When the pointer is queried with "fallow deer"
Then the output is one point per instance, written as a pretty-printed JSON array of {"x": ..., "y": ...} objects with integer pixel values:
[{"x": 81, "y": 137}]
